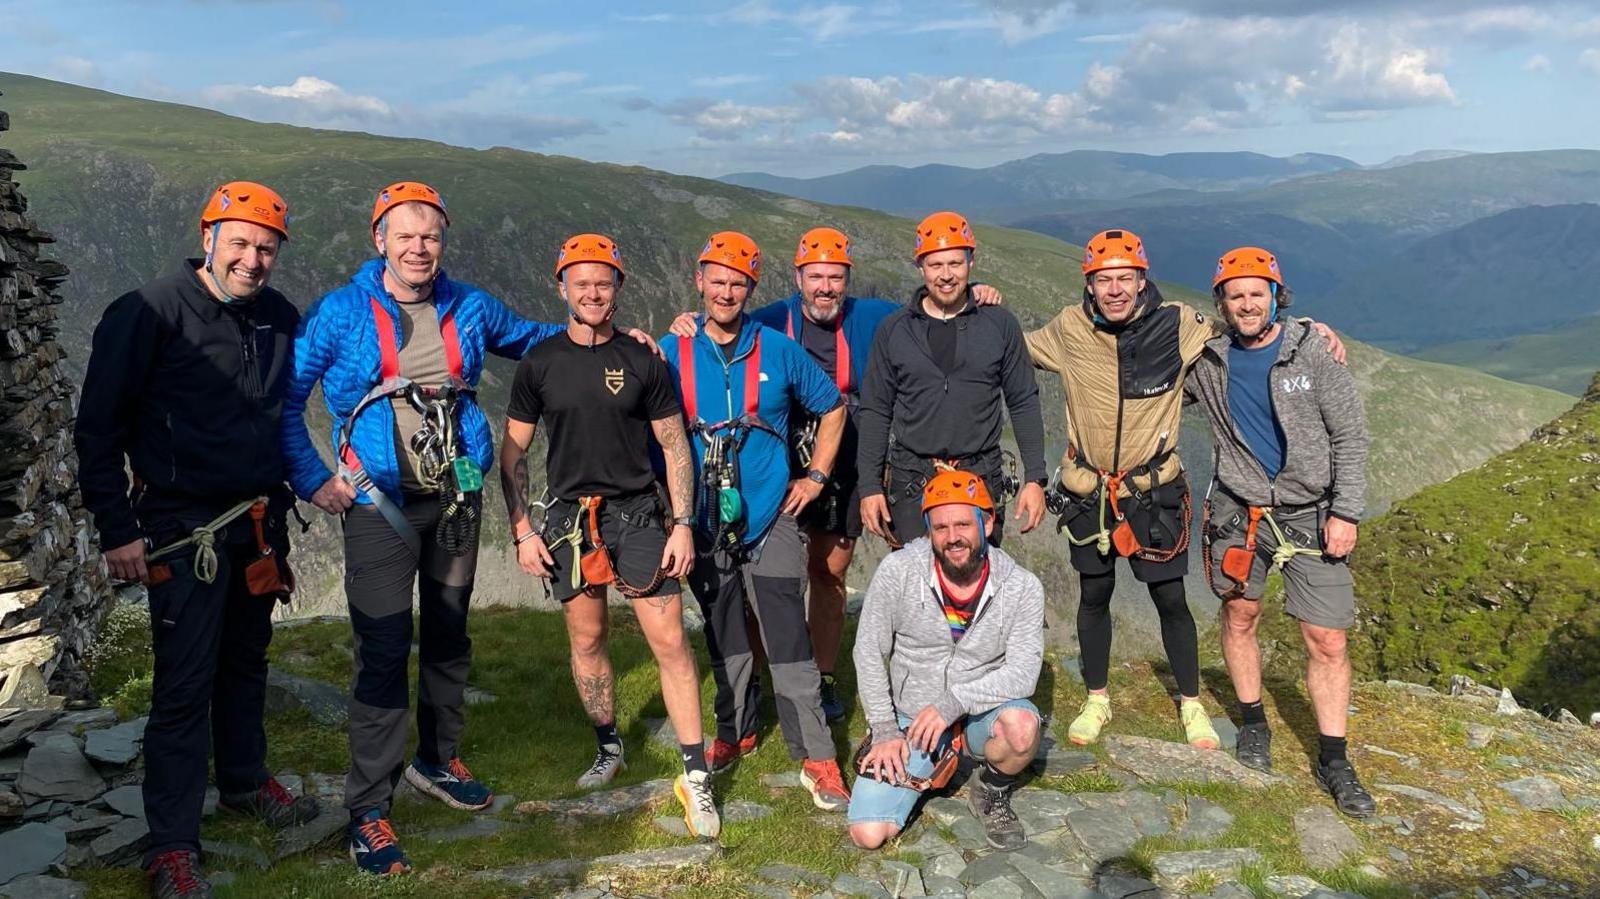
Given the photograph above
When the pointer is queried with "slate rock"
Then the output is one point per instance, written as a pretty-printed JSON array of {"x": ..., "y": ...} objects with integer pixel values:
[
  {"x": 325, "y": 703},
  {"x": 30, "y": 849},
  {"x": 1507, "y": 704},
  {"x": 112, "y": 746},
  {"x": 1172, "y": 868},
  {"x": 1227, "y": 732},
  {"x": 1204, "y": 821},
  {"x": 128, "y": 801},
  {"x": 568, "y": 869},
  {"x": 1229, "y": 890},
  {"x": 1104, "y": 833},
  {"x": 304, "y": 837},
  {"x": 946, "y": 810},
  {"x": 1052, "y": 882},
  {"x": 1325, "y": 840},
  {"x": 1468, "y": 815},
  {"x": 122, "y": 841},
  {"x": 25, "y": 688},
  {"x": 1072, "y": 668},
  {"x": 1043, "y": 810},
  {"x": 783, "y": 780},
  {"x": 793, "y": 874},
  {"x": 738, "y": 811},
  {"x": 11, "y": 805},
  {"x": 856, "y": 886},
  {"x": 901, "y": 879},
  {"x": 1115, "y": 885},
  {"x": 16, "y": 726},
  {"x": 1294, "y": 886},
  {"x": 1055, "y": 760},
  {"x": 39, "y": 886},
  {"x": 482, "y": 826},
  {"x": 947, "y": 866},
  {"x": 602, "y": 804},
  {"x": 943, "y": 887},
  {"x": 1479, "y": 735},
  {"x": 985, "y": 868},
  {"x": 85, "y": 720},
  {"x": 82, "y": 829},
  {"x": 56, "y": 769},
  {"x": 235, "y": 852},
  {"x": 1161, "y": 760},
  {"x": 969, "y": 834},
  {"x": 1536, "y": 793}
]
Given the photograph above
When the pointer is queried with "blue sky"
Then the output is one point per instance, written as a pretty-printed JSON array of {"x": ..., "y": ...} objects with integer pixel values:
[{"x": 806, "y": 89}]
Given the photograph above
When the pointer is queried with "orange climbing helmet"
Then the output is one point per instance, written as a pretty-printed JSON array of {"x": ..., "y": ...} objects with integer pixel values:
[
  {"x": 823, "y": 245},
  {"x": 407, "y": 192},
  {"x": 247, "y": 201},
  {"x": 1114, "y": 249},
  {"x": 944, "y": 231},
  {"x": 950, "y": 487},
  {"x": 1247, "y": 262},
  {"x": 736, "y": 251},
  {"x": 590, "y": 248}
]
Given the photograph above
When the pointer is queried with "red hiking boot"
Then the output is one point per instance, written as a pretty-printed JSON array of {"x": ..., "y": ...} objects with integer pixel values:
[{"x": 825, "y": 783}]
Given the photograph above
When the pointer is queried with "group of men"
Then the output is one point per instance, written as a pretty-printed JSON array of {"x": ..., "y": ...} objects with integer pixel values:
[{"x": 745, "y": 453}]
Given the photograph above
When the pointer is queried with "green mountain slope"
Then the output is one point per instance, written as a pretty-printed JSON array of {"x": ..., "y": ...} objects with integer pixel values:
[
  {"x": 1080, "y": 174},
  {"x": 120, "y": 182},
  {"x": 1492, "y": 573},
  {"x": 1562, "y": 358}
]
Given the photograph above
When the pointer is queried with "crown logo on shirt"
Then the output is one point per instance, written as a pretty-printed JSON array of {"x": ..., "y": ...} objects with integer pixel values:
[{"x": 613, "y": 380}]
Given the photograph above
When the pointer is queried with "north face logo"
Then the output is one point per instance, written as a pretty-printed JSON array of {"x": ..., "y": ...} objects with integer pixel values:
[{"x": 1296, "y": 384}]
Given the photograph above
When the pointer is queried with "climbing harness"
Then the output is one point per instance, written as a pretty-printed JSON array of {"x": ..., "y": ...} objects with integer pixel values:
[
  {"x": 441, "y": 467},
  {"x": 1114, "y": 529},
  {"x": 720, "y": 503},
  {"x": 944, "y": 767},
  {"x": 1001, "y": 463},
  {"x": 593, "y": 568},
  {"x": 1237, "y": 561},
  {"x": 805, "y": 435},
  {"x": 266, "y": 575}
]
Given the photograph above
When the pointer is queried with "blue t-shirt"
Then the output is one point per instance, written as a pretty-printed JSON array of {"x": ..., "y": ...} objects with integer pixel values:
[{"x": 1250, "y": 402}]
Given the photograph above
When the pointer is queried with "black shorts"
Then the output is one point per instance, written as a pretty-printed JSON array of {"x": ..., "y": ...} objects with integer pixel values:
[
  {"x": 1158, "y": 522},
  {"x": 631, "y": 528},
  {"x": 836, "y": 511}
]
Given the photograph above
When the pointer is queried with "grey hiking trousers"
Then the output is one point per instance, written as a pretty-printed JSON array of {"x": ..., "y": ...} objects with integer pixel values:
[{"x": 774, "y": 586}]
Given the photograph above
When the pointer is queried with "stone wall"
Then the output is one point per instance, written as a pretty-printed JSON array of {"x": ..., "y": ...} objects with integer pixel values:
[{"x": 53, "y": 585}]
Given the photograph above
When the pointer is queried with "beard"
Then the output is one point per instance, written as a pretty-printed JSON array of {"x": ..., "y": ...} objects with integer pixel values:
[{"x": 964, "y": 572}]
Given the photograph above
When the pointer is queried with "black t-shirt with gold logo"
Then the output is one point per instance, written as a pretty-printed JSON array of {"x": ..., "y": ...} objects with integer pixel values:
[{"x": 596, "y": 405}]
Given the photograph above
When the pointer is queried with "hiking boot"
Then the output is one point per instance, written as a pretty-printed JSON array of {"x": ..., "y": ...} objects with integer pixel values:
[
  {"x": 825, "y": 783},
  {"x": 1254, "y": 749},
  {"x": 174, "y": 875},
  {"x": 451, "y": 784},
  {"x": 271, "y": 803},
  {"x": 1085, "y": 728},
  {"x": 832, "y": 708},
  {"x": 1197, "y": 729},
  {"x": 723, "y": 754},
  {"x": 693, "y": 789},
  {"x": 607, "y": 765},
  {"x": 1338, "y": 777},
  {"x": 992, "y": 808},
  {"x": 373, "y": 846}
]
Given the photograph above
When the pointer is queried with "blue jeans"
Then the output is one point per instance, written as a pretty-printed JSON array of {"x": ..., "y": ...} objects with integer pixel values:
[{"x": 877, "y": 801}]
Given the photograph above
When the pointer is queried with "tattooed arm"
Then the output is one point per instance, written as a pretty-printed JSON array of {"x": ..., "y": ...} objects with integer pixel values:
[
  {"x": 532, "y": 555},
  {"x": 678, "y": 556}
]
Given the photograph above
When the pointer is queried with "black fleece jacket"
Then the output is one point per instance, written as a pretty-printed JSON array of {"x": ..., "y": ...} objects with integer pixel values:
[
  {"x": 956, "y": 415},
  {"x": 187, "y": 391}
]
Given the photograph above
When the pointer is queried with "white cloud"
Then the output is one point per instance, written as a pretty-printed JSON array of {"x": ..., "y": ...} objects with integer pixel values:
[
  {"x": 491, "y": 114},
  {"x": 1537, "y": 63},
  {"x": 77, "y": 70},
  {"x": 718, "y": 121},
  {"x": 817, "y": 23},
  {"x": 1589, "y": 61},
  {"x": 737, "y": 80}
]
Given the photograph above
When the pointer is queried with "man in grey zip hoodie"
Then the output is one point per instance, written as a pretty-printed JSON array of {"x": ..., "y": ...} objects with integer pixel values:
[
  {"x": 1290, "y": 485},
  {"x": 951, "y": 633}
]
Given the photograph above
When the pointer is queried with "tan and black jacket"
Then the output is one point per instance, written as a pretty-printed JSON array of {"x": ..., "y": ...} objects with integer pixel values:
[{"x": 1123, "y": 385}]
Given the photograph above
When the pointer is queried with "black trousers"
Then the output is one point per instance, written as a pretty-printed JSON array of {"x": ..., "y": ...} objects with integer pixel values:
[
  {"x": 380, "y": 574},
  {"x": 209, "y": 686}
]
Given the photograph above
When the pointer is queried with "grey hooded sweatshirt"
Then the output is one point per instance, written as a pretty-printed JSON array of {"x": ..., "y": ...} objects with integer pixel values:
[
  {"x": 1317, "y": 405},
  {"x": 902, "y": 620}
]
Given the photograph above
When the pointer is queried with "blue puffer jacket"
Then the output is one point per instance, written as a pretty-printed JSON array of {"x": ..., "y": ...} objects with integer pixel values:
[
  {"x": 861, "y": 320},
  {"x": 337, "y": 344}
]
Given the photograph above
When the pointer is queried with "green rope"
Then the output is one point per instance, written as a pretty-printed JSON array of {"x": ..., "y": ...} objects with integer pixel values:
[
  {"x": 204, "y": 539},
  {"x": 1101, "y": 538},
  {"x": 1285, "y": 550}
]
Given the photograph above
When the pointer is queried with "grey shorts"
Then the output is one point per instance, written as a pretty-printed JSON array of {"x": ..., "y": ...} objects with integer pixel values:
[
  {"x": 630, "y": 527},
  {"x": 1320, "y": 590}
]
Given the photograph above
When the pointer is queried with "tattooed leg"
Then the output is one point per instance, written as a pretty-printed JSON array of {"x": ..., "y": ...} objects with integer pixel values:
[{"x": 591, "y": 664}]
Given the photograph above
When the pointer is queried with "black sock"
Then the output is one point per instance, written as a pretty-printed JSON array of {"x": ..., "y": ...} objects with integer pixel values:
[
  {"x": 606, "y": 734},
  {"x": 995, "y": 779},
  {"x": 694, "y": 757},
  {"x": 1330, "y": 749},
  {"x": 1252, "y": 713}
]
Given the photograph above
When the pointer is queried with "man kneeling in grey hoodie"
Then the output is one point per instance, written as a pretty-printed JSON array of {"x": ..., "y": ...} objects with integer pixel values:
[{"x": 950, "y": 642}]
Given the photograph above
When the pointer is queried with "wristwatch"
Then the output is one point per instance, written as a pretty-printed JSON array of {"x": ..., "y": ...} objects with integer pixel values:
[
  {"x": 685, "y": 521},
  {"x": 817, "y": 477}
]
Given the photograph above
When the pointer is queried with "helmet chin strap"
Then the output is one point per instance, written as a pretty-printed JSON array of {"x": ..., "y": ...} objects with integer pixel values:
[
  {"x": 211, "y": 255},
  {"x": 383, "y": 251},
  {"x": 983, "y": 537},
  {"x": 1272, "y": 316}
]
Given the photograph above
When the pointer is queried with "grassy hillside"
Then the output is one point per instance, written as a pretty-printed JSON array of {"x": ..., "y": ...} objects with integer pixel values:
[
  {"x": 1562, "y": 358},
  {"x": 1080, "y": 174},
  {"x": 1492, "y": 573},
  {"x": 120, "y": 182}
]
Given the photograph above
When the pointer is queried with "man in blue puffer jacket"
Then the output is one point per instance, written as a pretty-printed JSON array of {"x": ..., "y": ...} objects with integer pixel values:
[{"x": 401, "y": 324}]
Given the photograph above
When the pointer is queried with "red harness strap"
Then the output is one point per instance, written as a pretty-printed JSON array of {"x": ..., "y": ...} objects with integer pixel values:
[
  {"x": 841, "y": 352},
  {"x": 752, "y": 379},
  {"x": 389, "y": 351}
]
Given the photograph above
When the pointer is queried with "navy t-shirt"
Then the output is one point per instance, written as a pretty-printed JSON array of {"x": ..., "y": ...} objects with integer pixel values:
[{"x": 1250, "y": 402}]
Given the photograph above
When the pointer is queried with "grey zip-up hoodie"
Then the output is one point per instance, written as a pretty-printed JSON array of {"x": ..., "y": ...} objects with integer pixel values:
[
  {"x": 902, "y": 620},
  {"x": 1316, "y": 403}
]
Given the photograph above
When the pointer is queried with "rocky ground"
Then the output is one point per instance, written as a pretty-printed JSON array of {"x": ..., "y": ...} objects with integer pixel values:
[{"x": 1477, "y": 798}]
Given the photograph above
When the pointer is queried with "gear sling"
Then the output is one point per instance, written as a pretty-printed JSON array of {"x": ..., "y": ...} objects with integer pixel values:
[
  {"x": 805, "y": 437},
  {"x": 459, "y": 479},
  {"x": 719, "y": 501},
  {"x": 1116, "y": 530}
]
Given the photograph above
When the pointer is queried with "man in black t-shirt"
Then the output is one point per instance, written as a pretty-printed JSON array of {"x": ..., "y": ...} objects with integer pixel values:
[{"x": 600, "y": 400}]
